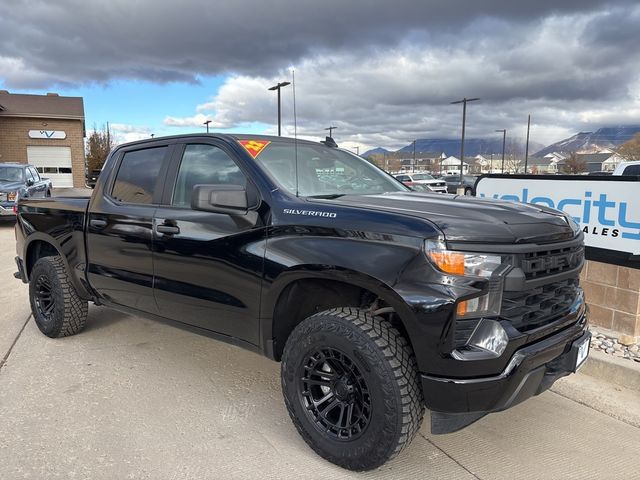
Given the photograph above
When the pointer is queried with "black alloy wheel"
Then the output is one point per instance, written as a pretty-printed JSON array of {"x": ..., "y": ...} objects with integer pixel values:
[
  {"x": 335, "y": 394},
  {"x": 44, "y": 300}
]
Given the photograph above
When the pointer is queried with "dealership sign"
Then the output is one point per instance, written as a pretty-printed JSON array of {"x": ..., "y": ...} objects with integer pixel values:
[
  {"x": 48, "y": 134},
  {"x": 608, "y": 211}
]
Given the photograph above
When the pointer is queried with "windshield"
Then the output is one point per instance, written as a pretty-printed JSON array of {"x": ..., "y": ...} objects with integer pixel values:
[
  {"x": 324, "y": 171},
  {"x": 10, "y": 174},
  {"x": 423, "y": 176}
]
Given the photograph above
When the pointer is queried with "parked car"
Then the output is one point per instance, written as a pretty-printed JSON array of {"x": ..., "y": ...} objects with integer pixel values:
[
  {"x": 377, "y": 301},
  {"x": 627, "y": 168},
  {"x": 453, "y": 182},
  {"x": 18, "y": 180},
  {"x": 92, "y": 178},
  {"x": 433, "y": 184}
]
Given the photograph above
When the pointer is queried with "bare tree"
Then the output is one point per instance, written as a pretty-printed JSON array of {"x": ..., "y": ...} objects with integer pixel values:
[
  {"x": 99, "y": 144},
  {"x": 574, "y": 164},
  {"x": 630, "y": 150}
]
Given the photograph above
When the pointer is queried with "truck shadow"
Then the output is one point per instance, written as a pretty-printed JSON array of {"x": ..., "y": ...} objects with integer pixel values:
[{"x": 101, "y": 318}]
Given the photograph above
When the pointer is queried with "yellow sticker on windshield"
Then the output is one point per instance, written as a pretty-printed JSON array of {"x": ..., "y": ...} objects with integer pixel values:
[{"x": 254, "y": 147}]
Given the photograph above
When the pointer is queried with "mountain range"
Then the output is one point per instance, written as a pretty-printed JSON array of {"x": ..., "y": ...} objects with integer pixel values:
[{"x": 605, "y": 137}]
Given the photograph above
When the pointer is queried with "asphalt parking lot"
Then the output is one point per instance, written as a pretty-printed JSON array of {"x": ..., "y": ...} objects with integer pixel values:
[{"x": 131, "y": 398}]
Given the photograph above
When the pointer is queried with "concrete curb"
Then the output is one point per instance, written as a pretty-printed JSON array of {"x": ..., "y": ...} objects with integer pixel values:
[{"x": 619, "y": 371}]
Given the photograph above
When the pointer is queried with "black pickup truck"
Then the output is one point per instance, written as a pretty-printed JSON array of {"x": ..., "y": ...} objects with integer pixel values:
[{"x": 379, "y": 301}]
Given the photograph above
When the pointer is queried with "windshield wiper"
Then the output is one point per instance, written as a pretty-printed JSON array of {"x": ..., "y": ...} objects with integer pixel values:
[{"x": 328, "y": 195}]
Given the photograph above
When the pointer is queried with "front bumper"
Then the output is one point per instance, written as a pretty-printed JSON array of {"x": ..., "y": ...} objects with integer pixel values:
[
  {"x": 455, "y": 403},
  {"x": 6, "y": 210}
]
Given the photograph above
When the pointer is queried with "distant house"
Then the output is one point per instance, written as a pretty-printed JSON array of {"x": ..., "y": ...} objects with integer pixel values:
[
  {"x": 596, "y": 162},
  {"x": 423, "y": 161},
  {"x": 548, "y": 164},
  {"x": 480, "y": 164},
  {"x": 451, "y": 165},
  {"x": 555, "y": 156}
]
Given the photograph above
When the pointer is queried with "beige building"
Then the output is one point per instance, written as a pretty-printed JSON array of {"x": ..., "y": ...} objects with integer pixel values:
[{"x": 46, "y": 131}]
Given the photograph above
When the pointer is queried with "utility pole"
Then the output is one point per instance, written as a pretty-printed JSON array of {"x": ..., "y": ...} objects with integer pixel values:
[
  {"x": 464, "y": 120},
  {"x": 357, "y": 150},
  {"x": 526, "y": 151},
  {"x": 413, "y": 168},
  {"x": 278, "y": 87},
  {"x": 331, "y": 129},
  {"x": 207, "y": 124},
  {"x": 504, "y": 140}
]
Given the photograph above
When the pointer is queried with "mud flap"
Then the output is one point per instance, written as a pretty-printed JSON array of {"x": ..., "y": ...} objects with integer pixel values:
[{"x": 442, "y": 423}]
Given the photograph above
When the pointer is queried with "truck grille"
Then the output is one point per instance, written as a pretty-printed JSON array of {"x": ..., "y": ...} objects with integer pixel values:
[
  {"x": 549, "y": 262},
  {"x": 539, "y": 306}
]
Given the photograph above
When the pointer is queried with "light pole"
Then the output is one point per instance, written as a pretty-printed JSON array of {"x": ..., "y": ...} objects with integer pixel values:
[
  {"x": 526, "y": 150},
  {"x": 207, "y": 124},
  {"x": 464, "y": 120},
  {"x": 331, "y": 129},
  {"x": 278, "y": 87},
  {"x": 504, "y": 140}
]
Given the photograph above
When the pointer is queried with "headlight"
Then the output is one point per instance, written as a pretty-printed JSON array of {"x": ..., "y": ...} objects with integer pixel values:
[
  {"x": 482, "y": 265},
  {"x": 462, "y": 263},
  {"x": 575, "y": 226}
]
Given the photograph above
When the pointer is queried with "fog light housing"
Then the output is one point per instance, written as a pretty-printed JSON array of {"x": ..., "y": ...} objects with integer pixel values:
[{"x": 488, "y": 340}]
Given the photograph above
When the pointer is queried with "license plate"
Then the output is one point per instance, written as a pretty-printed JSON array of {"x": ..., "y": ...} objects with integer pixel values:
[{"x": 583, "y": 352}]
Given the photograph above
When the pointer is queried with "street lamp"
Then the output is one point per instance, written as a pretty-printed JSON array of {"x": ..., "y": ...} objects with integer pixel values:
[
  {"x": 464, "y": 119},
  {"x": 504, "y": 140},
  {"x": 278, "y": 87},
  {"x": 207, "y": 124},
  {"x": 331, "y": 129}
]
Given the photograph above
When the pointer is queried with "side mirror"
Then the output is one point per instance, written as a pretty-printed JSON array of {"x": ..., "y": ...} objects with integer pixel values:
[
  {"x": 30, "y": 182},
  {"x": 230, "y": 199}
]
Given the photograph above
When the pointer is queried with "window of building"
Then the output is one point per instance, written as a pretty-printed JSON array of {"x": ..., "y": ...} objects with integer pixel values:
[
  {"x": 138, "y": 174},
  {"x": 204, "y": 165}
]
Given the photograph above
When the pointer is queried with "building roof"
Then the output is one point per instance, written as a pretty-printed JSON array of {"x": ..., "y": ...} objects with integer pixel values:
[
  {"x": 594, "y": 157},
  {"x": 41, "y": 106},
  {"x": 540, "y": 162}
]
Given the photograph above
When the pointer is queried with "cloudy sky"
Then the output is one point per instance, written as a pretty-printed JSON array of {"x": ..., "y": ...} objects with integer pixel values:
[{"x": 384, "y": 72}]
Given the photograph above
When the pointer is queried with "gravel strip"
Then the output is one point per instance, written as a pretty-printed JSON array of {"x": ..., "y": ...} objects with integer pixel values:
[{"x": 609, "y": 344}]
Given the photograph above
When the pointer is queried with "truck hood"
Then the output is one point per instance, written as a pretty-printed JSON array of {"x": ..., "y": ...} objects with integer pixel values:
[
  {"x": 470, "y": 219},
  {"x": 10, "y": 186}
]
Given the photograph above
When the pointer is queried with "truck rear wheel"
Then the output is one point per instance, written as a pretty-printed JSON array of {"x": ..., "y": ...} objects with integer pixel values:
[
  {"x": 351, "y": 386},
  {"x": 55, "y": 304}
]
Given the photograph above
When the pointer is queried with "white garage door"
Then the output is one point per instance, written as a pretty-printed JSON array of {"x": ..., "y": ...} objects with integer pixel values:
[{"x": 53, "y": 163}]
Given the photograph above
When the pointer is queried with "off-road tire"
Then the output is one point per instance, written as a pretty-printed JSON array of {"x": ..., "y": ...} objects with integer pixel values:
[
  {"x": 68, "y": 313},
  {"x": 387, "y": 364},
  {"x": 468, "y": 192}
]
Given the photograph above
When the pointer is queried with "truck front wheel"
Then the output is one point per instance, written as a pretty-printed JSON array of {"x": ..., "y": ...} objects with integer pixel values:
[
  {"x": 351, "y": 387},
  {"x": 55, "y": 304}
]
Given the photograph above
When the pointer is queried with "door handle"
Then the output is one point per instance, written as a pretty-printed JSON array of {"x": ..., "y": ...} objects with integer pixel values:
[
  {"x": 97, "y": 223},
  {"x": 168, "y": 229}
]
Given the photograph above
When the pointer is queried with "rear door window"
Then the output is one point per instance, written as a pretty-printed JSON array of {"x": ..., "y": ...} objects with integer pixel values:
[
  {"x": 137, "y": 177},
  {"x": 632, "y": 170}
]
